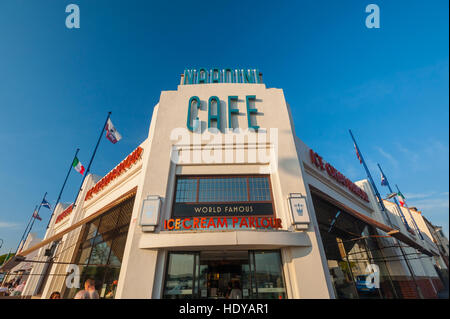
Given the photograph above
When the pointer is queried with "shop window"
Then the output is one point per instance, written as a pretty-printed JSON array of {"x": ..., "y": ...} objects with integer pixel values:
[
  {"x": 269, "y": 282},
  {"x": 350, "y": 247},
  {"x": 180, "y": 276},
  {"x": 259, "y": 189},
  {"x": 209, "y": 189},
  {"x": 100, "y": 252},
  {"x": 224, "y": 275}
]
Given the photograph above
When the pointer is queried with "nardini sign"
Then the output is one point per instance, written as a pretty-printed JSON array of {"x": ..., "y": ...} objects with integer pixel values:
[{"x": 205, "y": 76}]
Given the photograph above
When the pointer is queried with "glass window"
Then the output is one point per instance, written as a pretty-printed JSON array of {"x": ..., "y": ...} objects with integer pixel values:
[
  {"x": 269, "y": 275},
  {"x": 223, "y": 189},
  {"x": 259, "y": 189},
  {"x": 101, "y": 251},
  {"x": 117, "y": 249},
  {"x": 180, "y": 276},
  {"x": 186, "y": 190},
  {"x": 224, "y": 274},
  {"x": 350, "y": 247},
  {"x": 109, "y": 221}
]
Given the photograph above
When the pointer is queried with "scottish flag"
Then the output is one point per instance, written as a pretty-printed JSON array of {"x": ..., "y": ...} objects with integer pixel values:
[
  {"x": 46, "y": 204},
  {"x": 383, "y": 180}
]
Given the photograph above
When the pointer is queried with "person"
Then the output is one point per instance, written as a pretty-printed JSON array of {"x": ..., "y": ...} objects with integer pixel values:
[
  {"x": 89, "y": 291},
  {"x": 55, "y": 295},
  {"x": 236, "y": 292},
  {"x": 228, "y": 291},
  {"x": 19, "y": 289},
  {"x": 4, "y": 290}
]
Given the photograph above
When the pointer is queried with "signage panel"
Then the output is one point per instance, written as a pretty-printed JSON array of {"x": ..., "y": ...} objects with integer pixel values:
[{"x": 223, "y": 209}]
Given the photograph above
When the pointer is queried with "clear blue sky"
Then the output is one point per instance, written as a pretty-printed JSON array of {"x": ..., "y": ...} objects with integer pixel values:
[{"x": 389, "y": 85}]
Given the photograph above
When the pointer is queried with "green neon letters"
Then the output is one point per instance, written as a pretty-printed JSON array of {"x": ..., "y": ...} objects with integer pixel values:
[
  {"x": 212, "y": 117},
  {"x": 188, "y": 123},
  {"x": 251, "y": 111},
  {"x": 216, "y": 116},
  {"x": 231, "y": 110}
]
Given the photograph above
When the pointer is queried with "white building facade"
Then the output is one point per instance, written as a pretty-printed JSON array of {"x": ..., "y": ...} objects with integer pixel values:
[{"x": 223, "y": 194}]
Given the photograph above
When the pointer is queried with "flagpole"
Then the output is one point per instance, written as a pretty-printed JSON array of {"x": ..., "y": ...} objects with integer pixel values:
[
  {"x": 26, "y": 229},
  {"x": 383, "y": 208},
  {"x": 92, "y": 158},
  {"x": 62, "y": 188},
  {"x": 32, "y": 223},
  {"x": 369, "y": 176},
  {"x": 414, "y": 221},
  {"x": 395, "y": 199}
]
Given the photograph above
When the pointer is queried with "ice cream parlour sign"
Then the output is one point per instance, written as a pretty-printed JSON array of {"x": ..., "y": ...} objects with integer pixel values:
[{"x": 221, "y": 223}]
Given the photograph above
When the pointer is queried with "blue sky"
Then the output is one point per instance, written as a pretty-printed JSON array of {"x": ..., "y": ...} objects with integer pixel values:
[{"x": 389, "y": 85}]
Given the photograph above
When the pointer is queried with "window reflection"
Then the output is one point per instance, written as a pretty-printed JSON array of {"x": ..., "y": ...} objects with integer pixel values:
[
  {"x": 101, "y": 250},
  {"x": 180, "y": 276},
  {"x": 215, "y": 274},
  {"x": 222, "y": 189},
  {"x": 350, "y": 247}
]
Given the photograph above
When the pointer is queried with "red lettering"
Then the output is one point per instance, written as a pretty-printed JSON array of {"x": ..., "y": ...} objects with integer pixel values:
[
  {"x": 184, "y": 224},
  {"x": 195, "y": 222},
  {"x": 243, "y": 222},
  {"x": 278, "y": 222},
  {"x": 222, "y": 222},
  {"x": 235, "y": 221},
  {"x": 320, "y": 162},
  {"x": 211, "y": 222},
  {"x": 313, "y": 157},
  {"x": 203, "y": 222}
]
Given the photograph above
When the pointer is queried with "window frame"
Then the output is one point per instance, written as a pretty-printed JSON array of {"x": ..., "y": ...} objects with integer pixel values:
[{"x": 209, "y": 176}]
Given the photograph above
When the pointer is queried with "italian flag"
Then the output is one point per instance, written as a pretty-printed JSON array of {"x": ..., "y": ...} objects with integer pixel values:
[
  {"x": 401, "y": 199},
  {"x": 78, "y": 166}
]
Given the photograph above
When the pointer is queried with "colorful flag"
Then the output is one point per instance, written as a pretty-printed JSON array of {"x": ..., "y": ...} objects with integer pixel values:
[
  {"x": 401, "y": 199},
  {"x": 111, "y": 132},
  {"x": 36, "y": 215},
  {"x": 383, "y": 180},
  {"x": 45, "y": 204},
  {"x": 357, "y": 154},
  {"x": 78, "y": 166}
]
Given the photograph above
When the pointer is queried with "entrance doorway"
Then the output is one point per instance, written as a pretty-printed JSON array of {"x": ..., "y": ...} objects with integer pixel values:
[
  {"x": 224, "y": 275},
  {"x": 221, "y": 272}
]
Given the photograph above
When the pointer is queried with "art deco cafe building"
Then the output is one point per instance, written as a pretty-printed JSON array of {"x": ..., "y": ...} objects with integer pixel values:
[{"x": 224, "y": 194}]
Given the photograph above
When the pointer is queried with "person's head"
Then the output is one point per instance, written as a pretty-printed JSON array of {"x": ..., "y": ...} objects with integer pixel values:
[
  {"x": 89, "y": 284},
  {"x": 236, "y": 285},
  {"x": 55, "y": 295}
]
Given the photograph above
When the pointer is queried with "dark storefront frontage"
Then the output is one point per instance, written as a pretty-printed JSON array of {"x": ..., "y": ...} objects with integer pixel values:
[
  {"x": 351, "y": 246},
  {"x": 213, "y": 274},
  {"x": 101, "y": 248}
]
